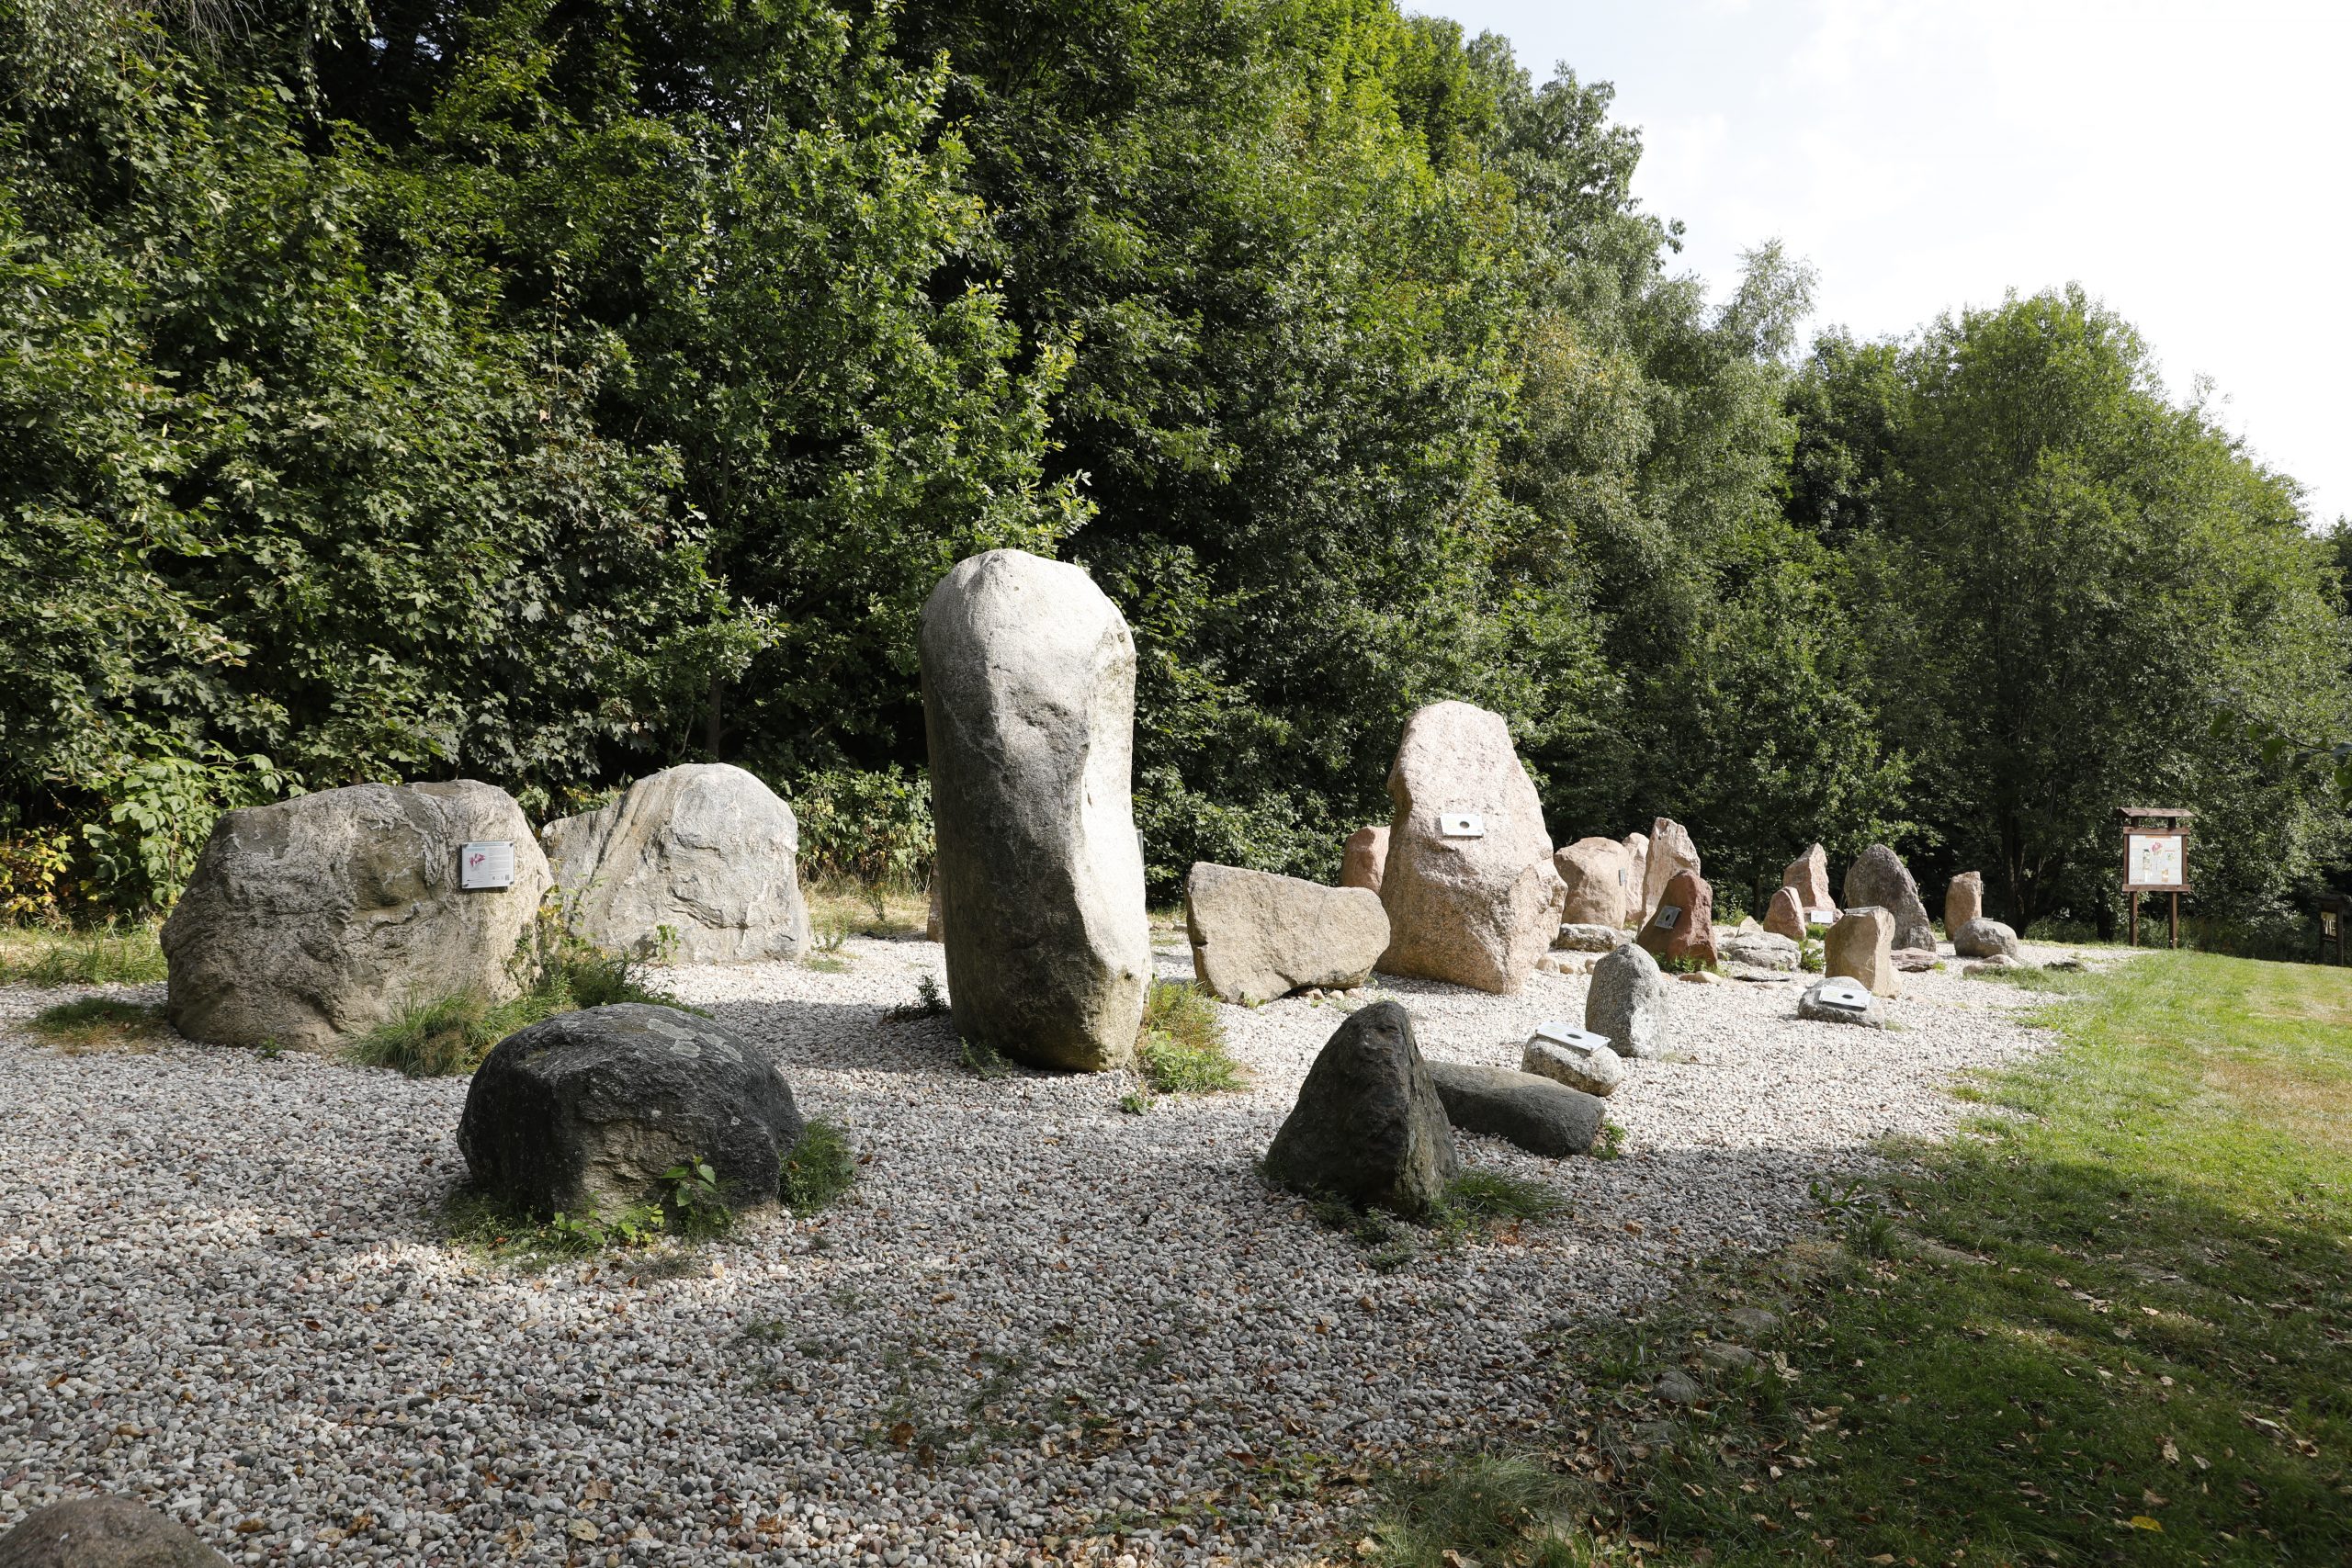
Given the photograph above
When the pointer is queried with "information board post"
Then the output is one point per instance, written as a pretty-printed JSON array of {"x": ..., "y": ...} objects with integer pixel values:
[{"x": 2155, "y": 858}]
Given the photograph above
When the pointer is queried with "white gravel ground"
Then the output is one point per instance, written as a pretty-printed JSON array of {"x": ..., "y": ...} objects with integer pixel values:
[{"x": 1040, "y": 1326}]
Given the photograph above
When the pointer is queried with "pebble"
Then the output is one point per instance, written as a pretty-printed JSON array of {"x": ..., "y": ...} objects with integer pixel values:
[{"x": 1037, "y": 1320}]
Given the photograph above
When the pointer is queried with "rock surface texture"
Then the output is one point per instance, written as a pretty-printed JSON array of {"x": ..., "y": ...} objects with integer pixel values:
[
  {"x": 588, "y": 1109},
  {"x": 1589, "y": 938},
  {"x": 322, "y": 917},
  {"x": 1808, "y": 876},
  {"x": 1366, "y": 858},
  {"x": 1479, "y": 910},
  {"x": 1861, "y": 947},
  {"x": 1681, "y": 926},
  {"x": 1785, "y": 915},
  {"x": 1964, "y": 900},
  {"x": 1257, "y": 936},
  {"x": 705, "y": 851},
  {"x": 1368, "y": 1125},
  {"x": 1540, "y": 1115},
  {"x": 1811, "y": 1007},
  {"x": 1028, "y": 682},
  {"x": 1671, "y": 853},
  {"x": 1879, "y": 877},
  {"x": 1637, "y": 864},
  {"x": 1597, "y": 1071},
  {"x": 1758, "y": 949},
  {"x": 1627, "y": 1002},
  {"x": 103, "y": 1532},
  {"x": 1981, "y": 938},
  {"x": 1599, "y": 877}
]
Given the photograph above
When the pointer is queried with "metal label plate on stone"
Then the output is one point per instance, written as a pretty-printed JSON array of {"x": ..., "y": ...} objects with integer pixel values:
[
  {"x": 1564, "y": 1033},
  {"x": 1841, "y": 992},
  {"x": 486, "y": 865},
  {"x": 1821, "y": 916},
  {"x": 1460, "y": 825},
  {"x": 1668, "y": 916}
]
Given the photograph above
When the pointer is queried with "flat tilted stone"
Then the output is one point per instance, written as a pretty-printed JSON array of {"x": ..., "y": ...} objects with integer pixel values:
[
  {"x": 588, "y": 1108},
  {"x": 1811, "y": 1005},
  {"x": 1578, "y": 938},
  {"x": 1808, "y": 877},
  {"x": 1029, "y": 697},
  {"x": 1785, "y": 916},
  {"x": 1670, "y": 853},
  {"x": 311, "y": 920},
  {"x": 1592, "y": 1066},
  {"x": 1368, "y": 1125},
  {"x": 1681, "y": 925},
  {"x": 1878, "y": 877},
  {"x": 103, "y": 1532},
  {"x": 1761, "y": 950},
  {"x": 1257, "y": 936},
  {"x": 705, "y": 851},
  {"x": 1538, "y": 1114}
]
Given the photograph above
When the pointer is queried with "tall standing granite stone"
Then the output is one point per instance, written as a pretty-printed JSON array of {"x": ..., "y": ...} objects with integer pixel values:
[
  {"x": 1626, "y": 1002},
  {"x": 1808, "y": 876},
  {"x": 1785, "y": 915},
  {"x": 1671, "y": 853},
  {"x": 1964, "y": 900},
  {"x": 1637, "y": 871},
  {"x": 1859, "y": 946},
  {"x": 706, "y": 849},
  {"x": 1879, "y": 877},
  {"x": 103, "y": 1532},
  {"x": 1599, "y": 881},
  {"x": 1682, "y": 926},
  {"x": 1257, "y": 936},
  {"x": 1028, "y": 684},
  {"x": 1368, "y": 1126},
  {"x": 1477, "y": 910},
  {"x": 311, "y": 920},
  {"x": 1366, "y": 857}
]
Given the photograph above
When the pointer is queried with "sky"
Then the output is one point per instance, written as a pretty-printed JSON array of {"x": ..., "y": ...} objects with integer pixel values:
[{"x": 2190, "y": 165}]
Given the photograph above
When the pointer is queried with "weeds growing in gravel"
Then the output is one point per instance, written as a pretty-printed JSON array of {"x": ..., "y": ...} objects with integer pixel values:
[
  {"x": 820, "y": 1167},
  {"x": 1476, "y": 1204},
  {"x": 1609, "y": 1142},
  {"x": 689, "y": 1209},
  {"x": 984, "y": 1061},
  {"x": 1181, "y": 1046},
  {"x": 110, "y": 956},
  {"x": 1488, "y": 1507},
  {"x": 930, "y": 1002},
  {"x": 95, "y": 1023}
]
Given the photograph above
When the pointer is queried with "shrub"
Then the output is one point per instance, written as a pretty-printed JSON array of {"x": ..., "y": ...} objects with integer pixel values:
[
  {"x": 867, "y": 828},
  {"x": 820, "y": 1167}
]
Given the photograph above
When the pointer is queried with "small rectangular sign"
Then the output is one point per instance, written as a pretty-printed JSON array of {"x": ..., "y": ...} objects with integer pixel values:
[
  {"x": 1821, "y": 916},
  {"x": 1840, "y": 992},
  {"x": 490, "y": 864},
  {"x": 1667, "y": 914},
  {"x": 1561, "y": 1032},
  {"x": 1460, "y": 825},
  {"x": 2327, "y": 922}
]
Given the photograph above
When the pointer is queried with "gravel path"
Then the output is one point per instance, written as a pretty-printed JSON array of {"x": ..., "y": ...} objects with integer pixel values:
[{"x": 1039, "y": 1325}]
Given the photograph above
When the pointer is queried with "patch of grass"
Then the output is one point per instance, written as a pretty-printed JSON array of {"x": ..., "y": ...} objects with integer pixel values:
[
  {"x": 2062, "y": 982},
  {"x": 97, "y": 1024},
  {"x": 984, "y": 1061},
  {"x": 1476, "y": 1204},
  {"x": 687, "y": 1209},
  {"x": 890, "y": 908},
  {"x": 2108, "y": 1326},
  {"x": 112, "y": 955},
  {"x": 820, "y": 1167},
  {"x": 1181, "y": 1047},
  {"x": 1487, "y": 1507},
  {"x": 1610, "y": 1142}
]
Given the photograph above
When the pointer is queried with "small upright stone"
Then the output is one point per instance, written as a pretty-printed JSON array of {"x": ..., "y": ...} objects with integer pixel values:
[
  {"x": 1861, "y": 946},
  {"x": 1028, "y": 689},
  {"x": 1682, "y": 926},
  {"x": 1368, "y": 1126},
  {"x": 1590, "y": 1065},
  {"x": 1671, "y": 852},
  {"x": 103, "y": 1532},
  {"x": 1471, "y": 891},
  {"x": 1366, "y": 860},
  {"x": 1878, "y": 877},
  {"x": 1257, "y": 936},
  {"x": 1637, "y": 863},
  {"x": 1625, "y": 1001},
  {"x": 1785, "y": 915},
  {"x": 1808, "y": 874},
  {"x": 1599, "y": 886},
  {"x": 1963, "y": 901},
  {"x": 1981, "y": 938}
]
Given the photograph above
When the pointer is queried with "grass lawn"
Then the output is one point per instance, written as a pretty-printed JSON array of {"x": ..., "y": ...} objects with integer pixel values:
[{"x": 2115, "y": 1328}]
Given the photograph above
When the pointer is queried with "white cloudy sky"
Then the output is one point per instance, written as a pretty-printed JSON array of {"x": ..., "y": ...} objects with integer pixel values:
[{"x": 2190, "y": 163}]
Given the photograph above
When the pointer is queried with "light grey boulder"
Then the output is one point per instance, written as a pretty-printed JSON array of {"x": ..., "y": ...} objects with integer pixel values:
[
  {"x": 1756, "y": 949},
  {"x": 588, "y": 1109},
  {"x": 103, "y": 1532},
  {"x": 1981, "y": 938},
  {"x": 1627, "y": 1002},
  {"x": 1597, "y": 1070},
  {"x": 1878, "y": 877},
  {"x": 1576, "y": 937},
  {"x": 1257, "y": 936},
  {"x": 312, "y": 920},
  {"x": 1368, "y": 1125},
  {"x": 1028, "y": 683},
  {"x": 1810, "y": 1006},
  {"x": 1478, "y": 908},
  {"x": 1539, "y": 1115},
  {"x": 706, "y": 852}
]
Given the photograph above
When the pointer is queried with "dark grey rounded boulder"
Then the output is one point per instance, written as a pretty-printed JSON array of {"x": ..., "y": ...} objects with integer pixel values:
[
  {"x": 1878, "y": 876},
  {"x": 1368, "y": 1125},
  {"x": 588, "y": 1109},
  {"x": 1539, "y": 1115},
  {"x": 103, "y": 1532}
]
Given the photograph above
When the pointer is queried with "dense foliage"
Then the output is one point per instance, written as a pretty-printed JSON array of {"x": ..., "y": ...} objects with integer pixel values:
[{"x": 548, "y": 391}]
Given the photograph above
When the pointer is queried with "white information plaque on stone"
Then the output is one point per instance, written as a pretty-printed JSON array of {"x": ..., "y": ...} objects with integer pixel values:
[
  {"x": 1667, "y": 914},
  {"x": 1821, "y": 916},
  {"x": 1460, "y": 825},
  {"x": 486, "y": 864},
  {"x": 1561, "y": 1032},
  {"x": 1840, "y": 992}
]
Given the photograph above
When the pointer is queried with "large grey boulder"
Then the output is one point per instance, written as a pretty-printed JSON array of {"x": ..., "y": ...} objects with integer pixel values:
[
  {"x": 1540, "y": 1115},
  {"x": 1625, "y": 1000},
  {"x": 1257, "y": 936},
  {"x": 315, "y": 918},
  {"x": 587, "y": 1110},
  {"x": 1981, "y": 938},
  {"x": 103, "y": 1532},
  {"x": 1879, "y": 878},
  {"x": 1473, "y": 908},
  {"x": 1368, "y": 1126},
  {"x": 1028, "y": 683},
  {"x": 705, "y": 850}
]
